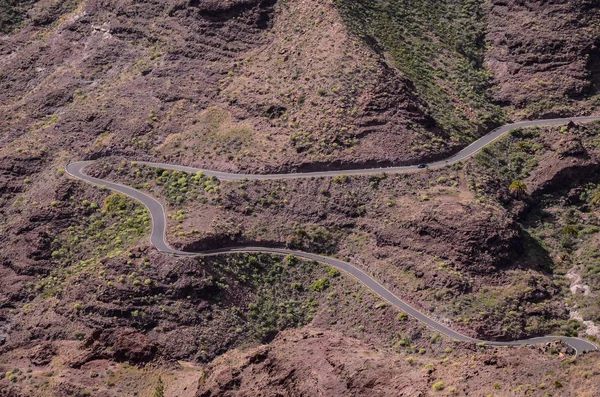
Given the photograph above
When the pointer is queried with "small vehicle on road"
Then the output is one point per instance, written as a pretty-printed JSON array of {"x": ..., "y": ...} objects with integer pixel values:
[{"x": 422, "y": 165}]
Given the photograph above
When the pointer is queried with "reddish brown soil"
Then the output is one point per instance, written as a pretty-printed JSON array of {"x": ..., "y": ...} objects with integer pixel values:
[
  {"x": 271, "y": 86},
  {"x": 328, "y": 364},
  {"x": 544, "y": 56},
  {"x": 433, "y": 237},
  {"x": 290, "y": 86}
]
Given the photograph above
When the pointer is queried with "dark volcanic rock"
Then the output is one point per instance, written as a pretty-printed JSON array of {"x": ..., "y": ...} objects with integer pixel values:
[
  {"x": 42, "y": 354},
  {"x": 132, "y": 346},
  {"x": 122, "y": 344},
  {"x": 543, "y": 53},
  {"x": 570, "y": 146}
]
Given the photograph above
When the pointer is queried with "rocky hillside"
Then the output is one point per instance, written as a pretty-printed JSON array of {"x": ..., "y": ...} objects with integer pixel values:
[
  {"x": 348, "y": 367},
  {"x": 249, "y": 84},
  {"x": 544, "y": 56},
  {"x": 455, "y": 241},
  {"x": 291, "y": 84},
  {"x": 87, "y": 307},
  {"x": 559, "y": 210}
]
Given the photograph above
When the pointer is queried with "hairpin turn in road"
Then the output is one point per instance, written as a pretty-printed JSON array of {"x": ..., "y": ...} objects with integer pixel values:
[{"x": 159, "y": 226}]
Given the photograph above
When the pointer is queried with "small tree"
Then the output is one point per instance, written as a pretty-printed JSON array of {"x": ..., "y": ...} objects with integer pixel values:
[{"x": 518, "y": 189}]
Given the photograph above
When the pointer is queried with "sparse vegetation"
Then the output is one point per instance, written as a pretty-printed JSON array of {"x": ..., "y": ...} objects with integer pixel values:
[
  {"x": 321, "y": 284},
  {"x": 595, "y": 199},
  {"x": 12, "y": 13},
  {"x": 159, "y": 390},
  {"x": 518, "y": 189},
  {"x": 291, "y": 89},
  {"x": 438, "y": 386},
  {"x": 440, "y": 48},
  {"x": 180, "y": 186}
]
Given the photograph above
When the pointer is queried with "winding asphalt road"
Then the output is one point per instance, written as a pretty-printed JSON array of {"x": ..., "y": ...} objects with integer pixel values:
[
  {"x": 159, "y": 226},
  {"x": 467, "y": 152}
]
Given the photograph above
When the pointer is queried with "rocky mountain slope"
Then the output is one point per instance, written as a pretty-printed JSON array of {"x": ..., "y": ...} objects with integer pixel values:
[
  {"x": 544, "y": 56},
  {"x": 268, "y": 85},
  {"x": 87, "y": 307},
  {"x": 348, "y": 367},
  {"x": 451, "y": 241}
]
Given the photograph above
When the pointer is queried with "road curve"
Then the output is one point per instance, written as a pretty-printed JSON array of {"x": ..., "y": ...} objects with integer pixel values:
[
  {"x": 159, "y": 225},
  {"x": 465, "y": 153}
]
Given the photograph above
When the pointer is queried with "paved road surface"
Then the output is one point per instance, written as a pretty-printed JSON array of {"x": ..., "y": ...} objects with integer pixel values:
[
  {"x": 463, "y": 154},
  {"x": 159, "y": 225}
]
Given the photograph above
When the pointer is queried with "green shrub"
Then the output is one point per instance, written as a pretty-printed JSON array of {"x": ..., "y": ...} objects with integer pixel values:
[
  {"x": 438, "y": 386},
  {"x": 320, "y": 285},
  {"x": 290, "y": 260},
  {"x": 403, "y": 342},
  {"x": 558, "y": 384},
  {"x": 341, "y": 179},
  {"x": 518, "y": 189}
]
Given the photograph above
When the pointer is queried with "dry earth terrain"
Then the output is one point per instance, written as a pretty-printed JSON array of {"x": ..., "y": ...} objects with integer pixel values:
[{"x": 89, "y": 308}]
